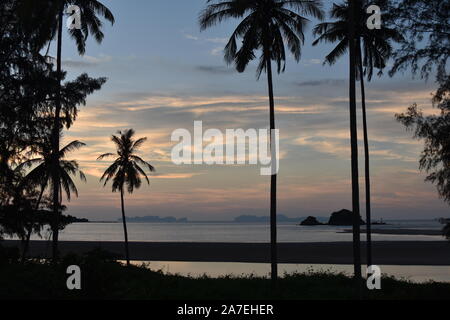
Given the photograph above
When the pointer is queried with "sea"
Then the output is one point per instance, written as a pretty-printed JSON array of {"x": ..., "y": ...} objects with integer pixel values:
[
  {"x": 236, "y": 232},
  {"x": 255, "y": 232}
]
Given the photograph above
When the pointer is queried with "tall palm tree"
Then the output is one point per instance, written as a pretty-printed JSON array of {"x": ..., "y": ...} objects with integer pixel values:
[
  {"x": 90, "y": 24},
  {"x": 350, "y": 27},
  {"x": 41, "y": 174},
  {"x": 373, "y": 49},
  {"x": 126, "y": 171},
  {"x": 266, "y": 26}
]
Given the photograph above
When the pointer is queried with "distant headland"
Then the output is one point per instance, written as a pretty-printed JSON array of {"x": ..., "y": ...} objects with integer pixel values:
[
  {"x": 155, "y": 219},
  {"x": 71, "y": 219},
  {"x": 239, "y": 219},
  {"x": 343, "y": 217}
]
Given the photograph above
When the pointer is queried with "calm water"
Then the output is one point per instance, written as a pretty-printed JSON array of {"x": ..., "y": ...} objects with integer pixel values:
[{"x": 233, "y": 232}]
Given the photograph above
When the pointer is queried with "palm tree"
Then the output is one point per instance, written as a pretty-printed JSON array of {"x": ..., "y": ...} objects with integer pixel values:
[
  {"x": 373, "y": 49},
  {"x": 126, "y": 171},
  {"x": 90, "y": 23},
  {"x": 42, "y": 174},
  {"x": 350, "y": 26},
  {"x": 266, "y": 26}
]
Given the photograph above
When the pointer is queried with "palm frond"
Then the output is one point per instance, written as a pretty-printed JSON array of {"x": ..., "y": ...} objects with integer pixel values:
[
  {"x": 125, "y": 171},
  {"x": 74, "y": 145}
]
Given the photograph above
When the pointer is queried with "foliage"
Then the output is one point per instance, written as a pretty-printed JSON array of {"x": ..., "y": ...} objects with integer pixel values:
[
  {"x": 103, "y": 278},
  {"x": 28, "y": 92},
  {"x": 126, "y": 169},
  {"x": 376, "y": 44},
  {"x": 40, "y": 174},
  {"x": 425, "y": 49},
  {"x": 426, "y": 44},
  {"x": 266, "y": 26}
]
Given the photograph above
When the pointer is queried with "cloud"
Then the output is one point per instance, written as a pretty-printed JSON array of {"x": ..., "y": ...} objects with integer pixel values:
[
  {"x": 309, "y": 62},
  {"x": 217, "y": 51},
  {"x": 215, "y": 69},
  {"x": 315, "y": 146},
  {"x": 216, "y": 40},
  {"x": 171, "y": 176},
  {"x": 314, "y": 61},
  {"x": 87, "y": 61},
  {"x": 323, "y": 82},
  {"x": 76, "y": 64},
  {"x": 191, "y": 37}
]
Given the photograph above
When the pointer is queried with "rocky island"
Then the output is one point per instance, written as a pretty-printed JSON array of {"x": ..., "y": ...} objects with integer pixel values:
[
  {"x": 343, "y": 217},
  {"x": 311, "y": 221}
]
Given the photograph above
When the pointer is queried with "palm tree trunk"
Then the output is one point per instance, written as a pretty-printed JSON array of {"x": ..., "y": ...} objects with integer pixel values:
[
  {"x": 125, "y": 232},
  {"x": 55, "y": 140},
  {"x": 26, "y": 245},
  {"x": 354, "y": 154},
  {"x": 273, "y": 181},
  {"x": 367, "y": 163}
]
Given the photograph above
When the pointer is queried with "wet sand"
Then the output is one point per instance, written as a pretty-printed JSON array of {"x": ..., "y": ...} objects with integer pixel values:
[
  {"x": 384, "y": 252},
  {"x": 406, "y": 232}
]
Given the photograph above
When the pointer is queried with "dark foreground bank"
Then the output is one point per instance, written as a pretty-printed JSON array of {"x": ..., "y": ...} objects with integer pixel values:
[
  {"x": 435, "y": 253},
  {"x": 103, "y": 278}
]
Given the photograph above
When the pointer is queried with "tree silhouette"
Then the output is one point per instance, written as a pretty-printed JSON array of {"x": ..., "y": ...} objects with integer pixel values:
[
  {"x": 434, "y": 130},
  {"x": 350, "y": 29},
  {"x": 373, "y": 49},
  {"x": 126, "y": 171},
  {"x": 425, "y": 49},
  {"x": 426, "y": 45},
  {"x": 266, "y": 26},
  {"x": 90, "y": 24},
  {"x": 41, "y": 174}
]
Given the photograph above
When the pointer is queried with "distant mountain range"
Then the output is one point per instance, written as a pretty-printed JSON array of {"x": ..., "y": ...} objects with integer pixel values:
[
  {"x": 155, "y": 219},
  {"x": 240, "y": 219},
  {"x": 280, "y": 218}
]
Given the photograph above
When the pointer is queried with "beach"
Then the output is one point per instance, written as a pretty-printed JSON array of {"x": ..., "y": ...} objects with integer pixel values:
[
  {"x": 426, "y": 253},
  {"x": 404, "y": 232}
]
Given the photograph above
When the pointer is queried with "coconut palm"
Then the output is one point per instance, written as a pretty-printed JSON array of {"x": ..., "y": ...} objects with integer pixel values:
[
  {"x": 41, "y": 174},
  {"x": 90, "y": 24},
  {"x": 267, "y": 26},
  {"x": 373, "y": 49},
  {"x": 126, "y": 171}
]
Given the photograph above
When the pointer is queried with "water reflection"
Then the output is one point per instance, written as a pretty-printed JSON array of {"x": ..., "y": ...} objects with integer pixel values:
[{"x": 217, "y": 269}]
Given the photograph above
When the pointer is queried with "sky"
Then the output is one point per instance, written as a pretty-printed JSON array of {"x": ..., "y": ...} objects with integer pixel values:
[{"x": 164, "y": 74}]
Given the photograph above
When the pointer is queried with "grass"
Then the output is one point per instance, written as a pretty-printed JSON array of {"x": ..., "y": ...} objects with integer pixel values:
[{"x": 103, "y": 278}]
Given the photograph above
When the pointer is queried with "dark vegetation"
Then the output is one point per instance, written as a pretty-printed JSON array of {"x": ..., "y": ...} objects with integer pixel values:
[{"x": 103, "y": 278}]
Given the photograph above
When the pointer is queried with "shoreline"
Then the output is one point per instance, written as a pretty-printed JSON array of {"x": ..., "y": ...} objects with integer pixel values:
[
  {"x": 427, "y": 253},
  {"x": 403, "y": 232}
]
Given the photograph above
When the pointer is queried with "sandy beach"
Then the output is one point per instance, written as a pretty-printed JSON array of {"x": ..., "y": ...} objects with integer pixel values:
[{"x": 385, "y": 252}]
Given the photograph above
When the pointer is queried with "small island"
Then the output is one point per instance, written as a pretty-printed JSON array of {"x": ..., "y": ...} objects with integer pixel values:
[
  {"x": 311, "y": 221},
  {"x": 343, "y": 217}
]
